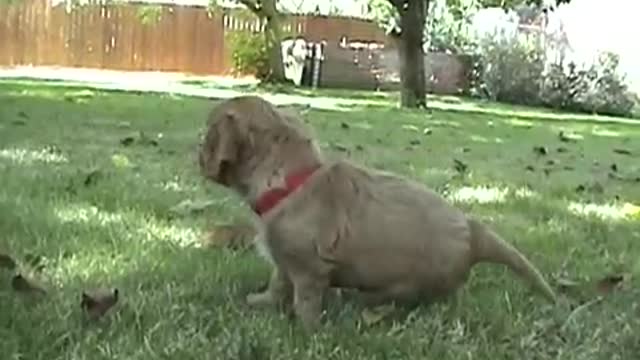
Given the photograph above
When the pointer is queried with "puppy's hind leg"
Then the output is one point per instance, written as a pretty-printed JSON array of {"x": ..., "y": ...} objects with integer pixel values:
[{"x": 279, "y": 290}]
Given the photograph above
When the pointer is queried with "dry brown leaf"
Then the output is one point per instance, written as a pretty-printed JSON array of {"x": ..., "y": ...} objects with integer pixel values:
[
  {"x": 96, "y": 303},
  {"x": 610, "y": 283},
  {"x": 230, "y": 236},
  {"x": 7, "y": 262},
  {"x": 21, "y": 284}
]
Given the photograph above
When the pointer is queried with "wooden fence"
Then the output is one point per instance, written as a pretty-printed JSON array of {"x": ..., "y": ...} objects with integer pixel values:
[{"x": 185, "y": 39}]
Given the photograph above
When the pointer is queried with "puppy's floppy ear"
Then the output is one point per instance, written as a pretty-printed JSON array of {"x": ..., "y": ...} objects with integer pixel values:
[{"x": 220, "y": 148}]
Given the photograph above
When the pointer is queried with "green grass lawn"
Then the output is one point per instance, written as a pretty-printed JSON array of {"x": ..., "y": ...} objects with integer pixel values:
[{"x": 75, "y": 221}]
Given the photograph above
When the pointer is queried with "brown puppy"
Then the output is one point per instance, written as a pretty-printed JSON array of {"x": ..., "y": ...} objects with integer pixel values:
[{"x": 335, "y": 224}]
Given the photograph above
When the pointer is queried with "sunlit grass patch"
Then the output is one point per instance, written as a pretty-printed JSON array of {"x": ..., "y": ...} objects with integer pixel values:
[
  {"x": 488, "y": 194},
  {"x": 25, "y": 156},
  {"x": 604, "y": 211}
]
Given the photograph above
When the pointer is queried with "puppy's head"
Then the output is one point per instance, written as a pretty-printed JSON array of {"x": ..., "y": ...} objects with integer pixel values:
[
  {"x": 220, "y": 151},
  {"x": 237, "y": 140},
  {"x": 247, "y": 139}
]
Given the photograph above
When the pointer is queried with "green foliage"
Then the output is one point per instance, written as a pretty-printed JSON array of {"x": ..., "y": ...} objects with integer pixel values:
[
  {"x": 511, "y": 70},
  {"x": 595, "y": 89},
  {"x": 250, "y": 54},
  {"x": 149, "y": 14},
  {"x": 448, "y": 27},
  {"x": 381, "y": 11}
]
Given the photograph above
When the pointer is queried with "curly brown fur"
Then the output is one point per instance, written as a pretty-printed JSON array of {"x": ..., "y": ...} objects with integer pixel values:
[{"x": 347, "y": 226}]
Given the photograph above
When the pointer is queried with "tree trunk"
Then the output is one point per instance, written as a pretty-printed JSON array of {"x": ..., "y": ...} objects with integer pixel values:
[
  {"x": 413, "y": 14},
  {"x": 273, "y": 35}
]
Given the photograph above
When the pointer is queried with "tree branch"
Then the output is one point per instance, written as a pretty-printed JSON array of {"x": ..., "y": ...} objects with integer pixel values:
[
  {"x": 398, "y": 4},
  {"x": 252, "y": 5}
]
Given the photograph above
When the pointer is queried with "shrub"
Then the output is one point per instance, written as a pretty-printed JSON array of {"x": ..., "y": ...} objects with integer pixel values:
[
  {"x": 513, "y": 71},
  {"x": 563, "y": 90},
  {"x": 597, "y": 89},
  {"x": 250, "y": 54},
  {"x": 510, "y": 70}
]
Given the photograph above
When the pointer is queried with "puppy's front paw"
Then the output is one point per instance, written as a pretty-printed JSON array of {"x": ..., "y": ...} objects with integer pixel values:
[{"x": 260, "y": 299}]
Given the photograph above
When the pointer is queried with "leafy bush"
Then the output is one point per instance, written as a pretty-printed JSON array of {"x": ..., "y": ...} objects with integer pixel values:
[
  {"x": 250, "y": 54},
  {"x": 513, "y": 71},
  {"x": 597, "y": 89},
  {"x": 562, "y": 89},
  {"x": 510, "y": 70}
]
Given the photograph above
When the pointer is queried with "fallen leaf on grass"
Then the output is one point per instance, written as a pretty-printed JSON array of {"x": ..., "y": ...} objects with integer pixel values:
[
  {"x": 141, "y": 138},
  {"x": 595, "y": 187},
  {"x": 460, "y": 166},
  {"x": 96, "y": 303},
  {"x": 236, "y": 237},
  {"x": 126, "y": 141},
  {"x": 604, "y": 286},
  {"x": 377, "y": 314},
  {"x": 23, "y": 285},
  {"x": 7, "y": 262},
  {"x": 622, "y": 151},
  {"x": 540, "y": 150},
  {"x": 92, "y": 177},
  {"x": 611, "y": 283}
]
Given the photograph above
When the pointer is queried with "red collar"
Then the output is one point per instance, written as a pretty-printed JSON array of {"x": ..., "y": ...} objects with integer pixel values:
[{"x": 269, "y": 199}]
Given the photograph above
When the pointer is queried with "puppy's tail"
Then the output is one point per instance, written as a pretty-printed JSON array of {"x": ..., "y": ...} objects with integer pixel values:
[{"x": 490, "y": 247}]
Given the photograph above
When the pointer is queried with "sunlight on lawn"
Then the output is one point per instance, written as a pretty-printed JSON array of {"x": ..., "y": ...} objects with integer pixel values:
[
  {"x": 482, "y": 139},
  {"x": 22, "y": 156},
  {"x": 605, "y": 132},
  {"x": 78, "y": 213},
  {"x": 604, "y": 211},
  {"x": 486, "y": 195},
  {"x": 146, "y": 228},
  {"x": 520, "y": 123}
]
